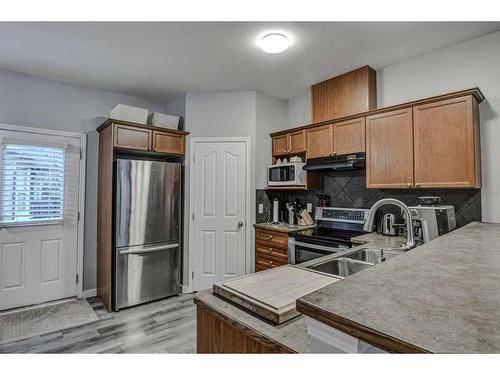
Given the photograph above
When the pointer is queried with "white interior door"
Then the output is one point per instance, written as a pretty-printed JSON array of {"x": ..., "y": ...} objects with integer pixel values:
[
  {"x": 219, "y": 208},
  {"x": 39, "y": 188}
]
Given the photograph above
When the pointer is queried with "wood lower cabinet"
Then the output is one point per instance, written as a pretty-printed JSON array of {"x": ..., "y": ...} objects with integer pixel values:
[
  {"x": 446, "y": 141},
  {"x": 349, "y": 136},
  {"x": 271, "y": 249},
  {"x": 168, "y": 143},
  {"x": 219, "y": 334},
  {"x": 132, "y": 137},
  {"x": 389, "y": 149},
  {"x": 320, "y": 141}
]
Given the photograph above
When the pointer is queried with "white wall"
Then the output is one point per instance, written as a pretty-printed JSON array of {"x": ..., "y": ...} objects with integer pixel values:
[
  {"x": 299, "y": 110},
  {"x": 31, "y": 101},
  {"x": 271, "y": 116},
  {"x": 475, "y": 63}
]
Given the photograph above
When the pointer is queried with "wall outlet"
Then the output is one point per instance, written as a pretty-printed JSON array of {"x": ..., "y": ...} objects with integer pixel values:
[
  {"x": 309, "y": 207},
  {"x": 261, "y": 208}
]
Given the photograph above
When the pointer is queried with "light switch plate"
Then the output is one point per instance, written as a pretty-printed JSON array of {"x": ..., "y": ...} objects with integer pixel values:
[
  {"x": 309, "y": 207},
  {"x": 261, "y": 208}
]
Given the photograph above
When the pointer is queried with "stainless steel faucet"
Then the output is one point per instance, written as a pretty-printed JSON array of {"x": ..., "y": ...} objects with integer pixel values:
[{"x": 368, "y": 226}]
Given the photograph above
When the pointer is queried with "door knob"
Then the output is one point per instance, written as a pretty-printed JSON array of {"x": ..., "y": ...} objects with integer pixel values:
[{"x": 240, "y": 224}]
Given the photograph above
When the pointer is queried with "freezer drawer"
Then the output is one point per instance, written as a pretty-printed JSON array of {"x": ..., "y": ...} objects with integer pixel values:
[{"x": 146, "y": 273}]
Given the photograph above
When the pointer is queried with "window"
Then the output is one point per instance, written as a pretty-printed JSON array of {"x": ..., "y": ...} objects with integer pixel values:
[{"x": 32, "y": 183}]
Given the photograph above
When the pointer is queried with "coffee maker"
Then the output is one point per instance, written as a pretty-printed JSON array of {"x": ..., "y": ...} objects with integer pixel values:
[{"x": 431, "y": 220}]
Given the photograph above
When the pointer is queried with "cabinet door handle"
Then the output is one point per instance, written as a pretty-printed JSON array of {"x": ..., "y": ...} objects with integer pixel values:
[{"x": 270, "y": 236}]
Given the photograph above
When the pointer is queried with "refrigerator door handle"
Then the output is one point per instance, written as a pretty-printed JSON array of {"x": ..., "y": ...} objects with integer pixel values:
[
  {"x": 149, "y": 249},
  {"x": 122, "y": 202}
]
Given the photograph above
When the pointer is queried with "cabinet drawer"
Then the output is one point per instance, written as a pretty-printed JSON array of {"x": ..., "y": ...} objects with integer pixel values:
[
  {"x": 168, "y": 143},
  {"x": 273, "y": 238},
  {"x": 262, "y": 248},
  {"x": 267, "y": 262},
  {"x": 132, "y": 138}
]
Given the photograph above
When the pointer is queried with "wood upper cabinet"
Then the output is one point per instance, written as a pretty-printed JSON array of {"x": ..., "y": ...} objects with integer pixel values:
[
  {"x": 344, "y": 95},
  {"x": 169, "y": 143},
  {"x": 349, "y": 136},
  {"x": 320, "y": 141},
  {"x": 132, "y": 137},
  {"x": 289, "y": 143},
  {"x": 389, "y": 149},
  {"x": 280, "y": 144},
  {"x": 297, "y": 142},
  {"x": 140, "y": 137},
  {"x": 446, "y": 139}
]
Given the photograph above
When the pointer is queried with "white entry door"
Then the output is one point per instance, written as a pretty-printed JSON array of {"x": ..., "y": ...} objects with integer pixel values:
[
  {"x": 39, "y": 196},
  {"x": 219, "y": 211}
]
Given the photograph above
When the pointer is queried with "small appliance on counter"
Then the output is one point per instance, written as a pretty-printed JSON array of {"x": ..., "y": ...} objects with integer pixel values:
[
  {"x": 389, "y": 225},
  {"x": 286, "y": 174},
  {"x": 276, "y": 211},
  {"x": 291, "y": 213},
  {"x": 430, "y": 222}
]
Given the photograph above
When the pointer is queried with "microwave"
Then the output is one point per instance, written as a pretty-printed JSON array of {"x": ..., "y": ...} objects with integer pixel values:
[{"x": 286, "y": 174}]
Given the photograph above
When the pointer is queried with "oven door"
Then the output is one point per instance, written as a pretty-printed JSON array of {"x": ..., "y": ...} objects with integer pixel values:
[{"x": 300, "y": 252}]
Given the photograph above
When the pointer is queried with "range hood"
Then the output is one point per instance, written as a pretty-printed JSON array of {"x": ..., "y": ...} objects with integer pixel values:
[{"x": 336, "y": 163}]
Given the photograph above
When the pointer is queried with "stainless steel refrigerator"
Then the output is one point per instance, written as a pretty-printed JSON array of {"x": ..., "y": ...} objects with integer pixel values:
[{"x": 147, "y": 231}]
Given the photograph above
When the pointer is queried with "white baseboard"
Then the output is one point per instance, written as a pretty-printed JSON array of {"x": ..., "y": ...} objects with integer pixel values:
[
  {"x": 186, "y": 289},
  {"x": 89, "y": 293}
]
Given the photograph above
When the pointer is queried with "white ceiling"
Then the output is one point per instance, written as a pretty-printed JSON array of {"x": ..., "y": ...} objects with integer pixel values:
[{"x": 160, "y": 60}]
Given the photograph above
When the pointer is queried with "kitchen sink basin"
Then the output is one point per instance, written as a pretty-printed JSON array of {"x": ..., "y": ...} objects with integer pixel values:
[
  {"x": 341, "y": 267},
  {"x": 372, "y": 256}
]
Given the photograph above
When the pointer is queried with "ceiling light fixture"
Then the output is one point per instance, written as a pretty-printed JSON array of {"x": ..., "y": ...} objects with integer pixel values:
[{"x": 274, "y": 42}]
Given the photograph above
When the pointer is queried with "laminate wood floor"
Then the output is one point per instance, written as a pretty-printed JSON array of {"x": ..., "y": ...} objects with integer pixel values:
[{"x": 165, "y": 326}]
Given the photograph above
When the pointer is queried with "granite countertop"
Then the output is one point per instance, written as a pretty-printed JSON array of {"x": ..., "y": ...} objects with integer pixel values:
[
  {"x": 283, "y": 227},
  {"x": 442, "y": 297}
]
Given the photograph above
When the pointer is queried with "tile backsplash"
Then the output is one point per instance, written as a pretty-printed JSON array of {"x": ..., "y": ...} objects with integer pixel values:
[{"x": 348, "y": 189}]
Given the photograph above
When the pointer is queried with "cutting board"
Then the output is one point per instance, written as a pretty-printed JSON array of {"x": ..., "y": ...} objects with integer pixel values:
[{"x": 272, "y": 294}]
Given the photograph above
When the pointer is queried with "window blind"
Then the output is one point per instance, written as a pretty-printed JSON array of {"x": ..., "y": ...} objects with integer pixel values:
[{"x": 32, "y": 183}]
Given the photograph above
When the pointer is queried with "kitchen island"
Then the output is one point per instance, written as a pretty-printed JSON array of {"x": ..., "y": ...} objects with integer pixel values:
[
  {"x": 441, "y": 297},
  {"x": 223, "y": 327}
]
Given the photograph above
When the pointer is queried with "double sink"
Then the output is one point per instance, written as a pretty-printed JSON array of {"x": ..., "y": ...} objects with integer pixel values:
[{"x": 352, "y": 262}]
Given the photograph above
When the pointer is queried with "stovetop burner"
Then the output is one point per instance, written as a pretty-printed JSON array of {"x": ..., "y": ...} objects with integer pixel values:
[{"x": 335, "y": 224}]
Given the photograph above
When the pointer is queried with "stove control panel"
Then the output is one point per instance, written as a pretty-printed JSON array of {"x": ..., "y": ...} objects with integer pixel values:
[{"x": 348, "y": 215}]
